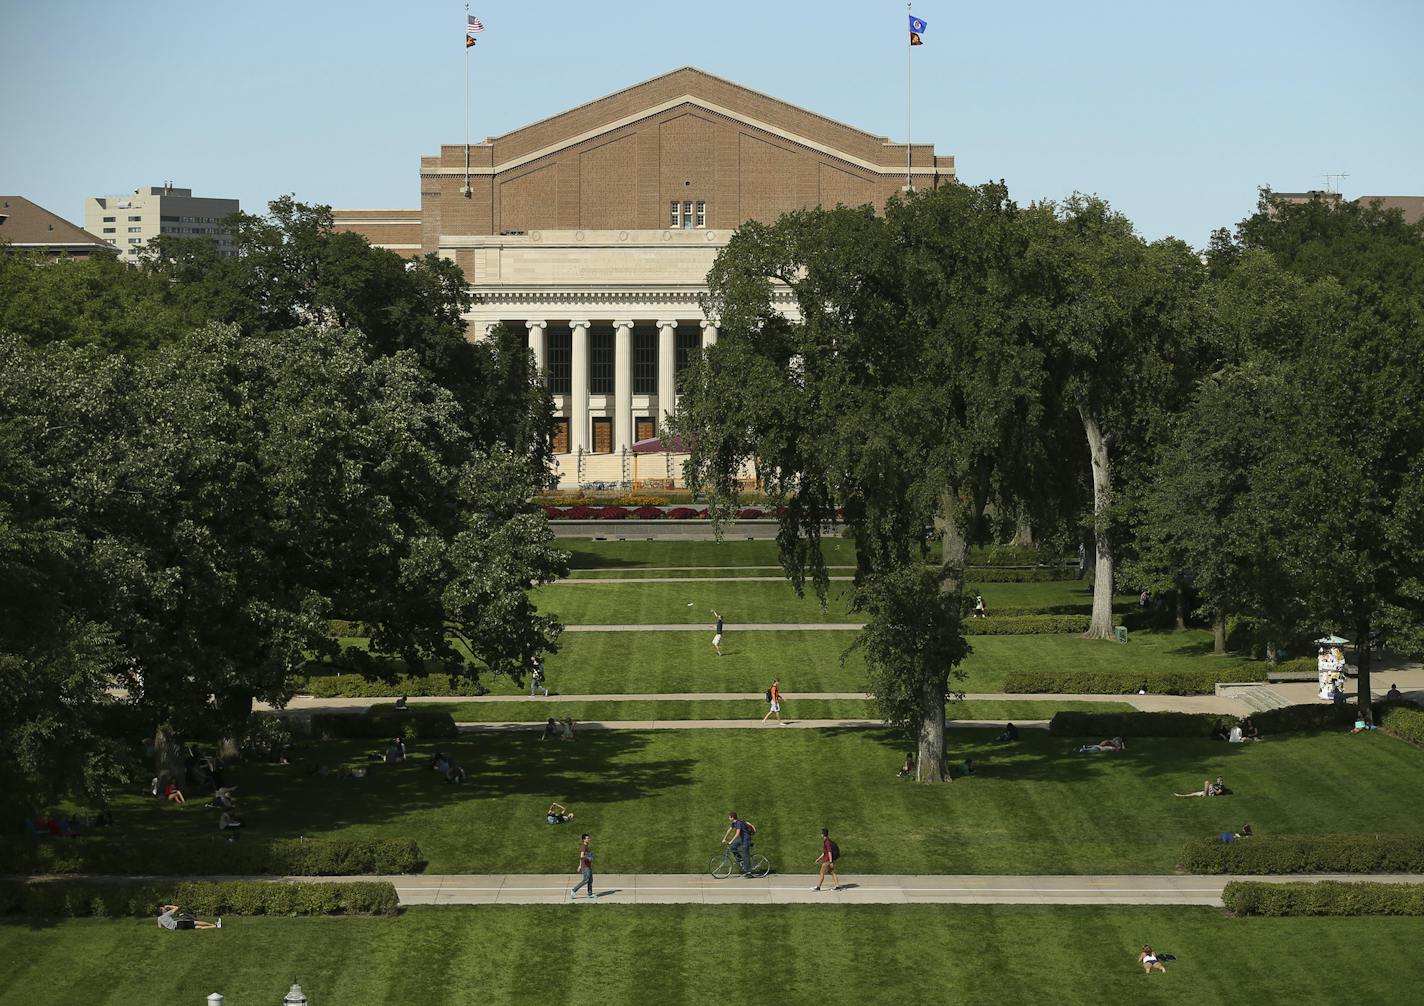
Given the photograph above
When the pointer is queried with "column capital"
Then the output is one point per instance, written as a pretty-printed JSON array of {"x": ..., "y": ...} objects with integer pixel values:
[
  {"x": 531, "y": 325},
  {"x": 622, "y": 324},
  {"x": 667, "y": 324},
  {"x": 705, "y": 325},
  {"x": 579, "y": 324}
]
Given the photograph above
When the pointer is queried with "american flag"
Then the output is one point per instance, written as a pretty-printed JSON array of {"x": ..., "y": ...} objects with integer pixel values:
[{"x": 474, "y": 25}]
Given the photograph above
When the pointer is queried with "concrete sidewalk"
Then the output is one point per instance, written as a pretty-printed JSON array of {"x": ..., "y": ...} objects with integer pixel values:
[
  {"x": 507, "y": 726},
  {"x": 795, "y": 889}
]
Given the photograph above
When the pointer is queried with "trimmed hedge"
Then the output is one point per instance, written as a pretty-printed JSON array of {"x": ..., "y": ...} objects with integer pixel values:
[
  {"x": 1326, "y": 897},
  {"x": 1097, "y": 682},
  {"x": 354, "y": 686},
  {"x": 1307, "y": 854},
  {"x": 121, "y": 899},
  {"x": 417, "y": 724},
  {"x": 277, "y": 857},
  {"x": 1307, "y": 716},
  {"x": 1402, "y": 720},
  {"x": 1138, "y": 724},
  {"x": 1000, "y": 574},
  {"x": 1025, "y": 625},
  {"x": 1297, "y": 665}
]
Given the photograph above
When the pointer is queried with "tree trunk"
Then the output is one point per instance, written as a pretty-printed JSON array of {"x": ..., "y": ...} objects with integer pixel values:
[
  {"x": 1101, "y": 624},
  {"x": 1363, "y": 698},
  {"x": 1023, "y": 531},
  {"x": 1218, "y": 633},
  {"x": 1181, "y": 604},
  {"x": 1271, "y": 652},
  {"x": 930, "y": 765},
  {"x": 168, "y": 760},
  {"x": 955, "y": 544}
]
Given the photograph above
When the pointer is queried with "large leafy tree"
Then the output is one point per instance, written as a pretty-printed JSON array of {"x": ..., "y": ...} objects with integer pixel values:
[
  {"x": 899, "y": 394},
  {"x": 1119, "y": 315}
]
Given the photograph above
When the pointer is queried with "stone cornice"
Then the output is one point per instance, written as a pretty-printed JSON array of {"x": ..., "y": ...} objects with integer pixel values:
[{"x": 601, "y": 295}]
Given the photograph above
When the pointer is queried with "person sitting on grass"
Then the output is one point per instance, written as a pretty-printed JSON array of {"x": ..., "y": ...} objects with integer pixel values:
[
  {"x": 551, "y": 730},
  {"x": 401, "y": 704},
  {"x": 566, "y": 729},
  {"x": 1112, "y": 744},
  {"x": 1149, "y": 960},
  {"x": 395, "y": 750},
  {"x": 1362, "y": 723},
  {"x": 1011, "y": 733},
  {"x": 173, "y": 793},
  {"x": 1245, "y": 831},
  {"x": 558, "y": 814},
  {"x": 1248, "y": 731},
  {"x": 229, "y": 820},
  {"x": 172, "y": 918},
  {"x": 908, "y": 769}
]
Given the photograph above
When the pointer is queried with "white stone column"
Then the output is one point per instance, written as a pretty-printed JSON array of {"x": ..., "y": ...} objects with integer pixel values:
[
  {"x": 622, "y": 385},
  {"x": 578, "y": 388},
  {"x": 709, "y": 335},
  {"x": 536, "y": 343},
  {"x": 667, "y": 372}
]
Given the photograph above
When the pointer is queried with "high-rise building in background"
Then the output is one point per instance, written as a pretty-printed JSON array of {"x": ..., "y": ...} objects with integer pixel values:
[{"x": 130, "y": 222}]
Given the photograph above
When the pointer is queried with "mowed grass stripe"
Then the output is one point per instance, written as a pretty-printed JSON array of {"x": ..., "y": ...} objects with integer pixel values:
[
  {"x": 656, "y": 800},
  {"x": 601, "y": 954},
  {"x": 811, "y": 661}
]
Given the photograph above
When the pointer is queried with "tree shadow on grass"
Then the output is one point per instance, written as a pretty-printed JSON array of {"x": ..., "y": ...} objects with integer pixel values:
[{"x": 579, "y": 559}]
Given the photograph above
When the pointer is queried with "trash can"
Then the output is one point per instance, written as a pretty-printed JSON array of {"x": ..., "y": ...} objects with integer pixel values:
[{"x": 1121, "y": 633}]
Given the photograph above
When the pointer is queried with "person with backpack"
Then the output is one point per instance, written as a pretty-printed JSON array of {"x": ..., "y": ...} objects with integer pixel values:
[
  {"x": 536, "y": 679},
  {"x": 830, "y": 853},
  {"x": 739, "y": 833},
  {"x": 773, "y": 696}
]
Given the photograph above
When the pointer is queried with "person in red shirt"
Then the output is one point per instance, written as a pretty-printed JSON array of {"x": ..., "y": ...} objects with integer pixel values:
[
  {"x": 774, "y": 697},
  {"x": 585, "y": 868},
  {"x": 827, "y": 859}
]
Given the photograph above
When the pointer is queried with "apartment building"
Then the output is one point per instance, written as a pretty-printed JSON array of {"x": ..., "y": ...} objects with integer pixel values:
[{"x": 130, "y": 222}]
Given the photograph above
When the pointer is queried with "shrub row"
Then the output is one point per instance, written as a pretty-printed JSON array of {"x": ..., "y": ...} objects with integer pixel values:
[
  {"x": 1025, "y": 625},
  {"x": 214, "y": 856},
  {"x": 1013, "y": 555},
  {"x": 1307, "y": 716},
  {"x": 1101, "y": 682},
  {"x": 412, "y": 724},
  {"x": 1297, "y": 665},
  {"x": 354, "y": 686},
  {"x": 1002, "y": 574},
  {"x": 139, "y": 898},
  {"x": 1327, "y": 897},
  {"x": 1138, "y": 724},
  {"x": 643, "y": 513},
  {"x": 1307, "y": 854}
]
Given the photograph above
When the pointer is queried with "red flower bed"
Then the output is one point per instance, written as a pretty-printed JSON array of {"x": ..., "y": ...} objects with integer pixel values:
[
  {"x": 702, "y": 513},
  {"x": 750, "y": 513},
  {"x": 648, "y": 513},
  {"x": 580, "y": 513},
  {"x": 613, "y": 513},
  {"x": 553, "y": 512},
  {"x": 682, "y": 513}
]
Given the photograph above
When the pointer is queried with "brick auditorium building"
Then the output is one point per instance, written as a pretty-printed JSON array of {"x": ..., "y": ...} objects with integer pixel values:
[{"x": 594, "y": 231}]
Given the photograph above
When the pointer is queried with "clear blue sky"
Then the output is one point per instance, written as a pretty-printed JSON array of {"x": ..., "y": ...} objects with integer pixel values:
[{"x": 1174, "y": 111}]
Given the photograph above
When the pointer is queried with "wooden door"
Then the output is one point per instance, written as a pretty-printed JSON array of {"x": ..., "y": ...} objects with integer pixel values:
[
  {"x": 603, "y": 436},
  {"x": 561, "y": 436},
  {"x": 644, "y": 428}
]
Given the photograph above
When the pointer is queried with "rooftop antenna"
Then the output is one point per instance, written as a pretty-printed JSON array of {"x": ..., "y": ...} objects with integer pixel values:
[{"x": 1332, "y": 181}]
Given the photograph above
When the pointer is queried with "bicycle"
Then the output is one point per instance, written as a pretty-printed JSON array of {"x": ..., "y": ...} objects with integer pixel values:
[{"x": 726, "y": 864}]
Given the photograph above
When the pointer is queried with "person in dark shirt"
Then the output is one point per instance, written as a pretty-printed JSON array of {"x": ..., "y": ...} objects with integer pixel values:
[
  {"x": 739, "y": 833},
  {"x": 717, "y": 636},
  {"x": 827, "y": 861}
]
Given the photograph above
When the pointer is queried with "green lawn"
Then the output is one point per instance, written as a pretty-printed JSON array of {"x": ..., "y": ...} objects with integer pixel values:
[
  {"x": 596, "y": 663},
  {"x": 607, "y": 954},
  {"x": 608, "y": 602},
  {"x": 585, "y": 553},
  {"x": 656, "y": 799},
  {"x": 746, "y": 709}
]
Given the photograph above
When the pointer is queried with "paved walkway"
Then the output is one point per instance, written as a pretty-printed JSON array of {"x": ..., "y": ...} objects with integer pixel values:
[
  {"x": 703, "y": 627},
  {"x": 791, "y": 889},
  {"x": 1146, "y": 703}
]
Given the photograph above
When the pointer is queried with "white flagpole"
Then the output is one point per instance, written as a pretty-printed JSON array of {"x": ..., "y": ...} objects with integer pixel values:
[
  {"x": 909, "y": 186},
  {"x": 466, "y": 190}
]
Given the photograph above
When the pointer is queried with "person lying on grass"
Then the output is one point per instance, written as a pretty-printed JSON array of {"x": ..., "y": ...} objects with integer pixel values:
[
  {"x": 1112, "y": 744},
  {"x": 1149, "y": 960},
  {"x": 171, "y": 918},
  {"x": 558, "y": 814},
  {"x": 1209, "y": 788}
]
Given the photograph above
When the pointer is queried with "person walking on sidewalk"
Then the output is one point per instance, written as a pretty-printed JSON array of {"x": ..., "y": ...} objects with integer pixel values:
[
  {"x": 773, "y": 696},
  {"x": 717, "y": 634},
  {"x": 536, "y": 679},
  {"x": 585, "y": 868},
  {"x": 830, "y": 852}
]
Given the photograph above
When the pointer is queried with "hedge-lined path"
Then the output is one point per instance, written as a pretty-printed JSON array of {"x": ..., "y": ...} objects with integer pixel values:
[
  {"x": 877, "y": 889},
  {"x": 1143, "y": 703}
]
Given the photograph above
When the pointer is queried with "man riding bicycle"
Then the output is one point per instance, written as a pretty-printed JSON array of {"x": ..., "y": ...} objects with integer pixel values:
[{"x": 739, "y": 833}]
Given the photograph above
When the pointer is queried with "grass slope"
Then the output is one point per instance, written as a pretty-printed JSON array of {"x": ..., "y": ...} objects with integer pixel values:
[
  {"x": 601, "y": 954},
  {"x": 656, "y": 800}
]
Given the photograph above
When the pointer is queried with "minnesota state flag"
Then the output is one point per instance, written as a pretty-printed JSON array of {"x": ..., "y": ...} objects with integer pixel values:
[{"x": 917, "y": 28}]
